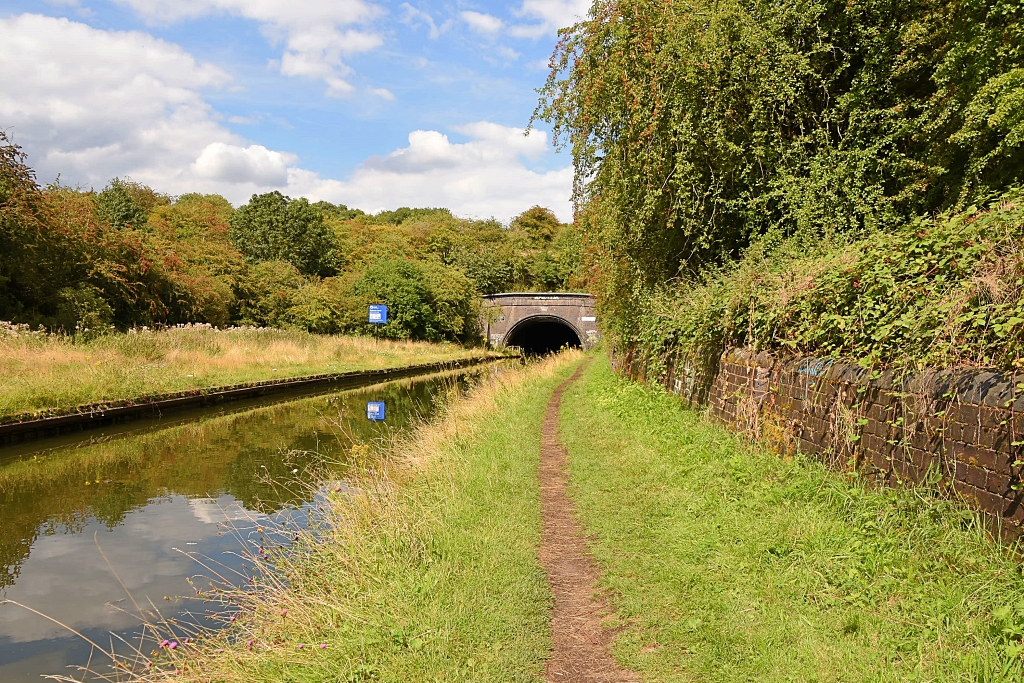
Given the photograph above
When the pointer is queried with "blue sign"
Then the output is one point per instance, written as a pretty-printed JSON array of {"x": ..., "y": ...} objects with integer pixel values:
[
  {"x": 378, "y": 314},
  {"x": 375, "y": 411}
]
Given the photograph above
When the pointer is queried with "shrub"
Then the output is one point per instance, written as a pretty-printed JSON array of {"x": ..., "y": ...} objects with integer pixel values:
[
  {"x": 322, "y": 307},
  {"x": 425, "y": 300},
  {"x": 937, "y": 292},
  {"x": 267, "y": 292}
]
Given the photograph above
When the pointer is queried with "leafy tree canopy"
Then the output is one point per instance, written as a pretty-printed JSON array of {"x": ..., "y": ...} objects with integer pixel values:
[
  {"x": 539, "y": 223},
  {"x": 126, "y": 204},
  {"x": 272, "y": 227},
  {"x": 699, "y": 126}
]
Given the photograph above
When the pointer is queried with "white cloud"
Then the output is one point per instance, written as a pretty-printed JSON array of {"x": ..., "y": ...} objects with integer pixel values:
[
  {"x": 482, "y": 23},
  {"x": 338, "y": 87},
  {"x": 508, "y": 53},
  {"x": 91, "y": 105},
  {"x": 483, "y": 177},
  {"x": 414, "y": 17},
  {"x": 316, "y": 34},
  {"x": 234, "y": 164},
  {"x": 552, "y": 15},
  {"x": 383, "y": 93}
]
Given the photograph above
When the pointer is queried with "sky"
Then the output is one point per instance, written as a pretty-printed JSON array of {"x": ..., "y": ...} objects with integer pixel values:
[{"x": 374, "y": 104}]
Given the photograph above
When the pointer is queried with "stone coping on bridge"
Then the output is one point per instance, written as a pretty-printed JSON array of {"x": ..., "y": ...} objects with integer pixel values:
[{"x": 533, "y": 319}]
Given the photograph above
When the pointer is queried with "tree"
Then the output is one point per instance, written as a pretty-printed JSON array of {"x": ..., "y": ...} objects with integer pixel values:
[
  {"x": 698, "y": 127},
  {"x": 203, "y": 268},
  {"x": 21, "y": 219},
  {"x": 267, "y": 293},
  {"x": 126, "y": 204},
  {"x": 273, "y": 227},
  {"x": 539, "y": 223}
]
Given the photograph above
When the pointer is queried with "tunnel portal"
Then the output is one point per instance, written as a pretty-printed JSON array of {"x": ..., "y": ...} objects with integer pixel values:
[
  {"x": 540, "y": 322},
  {"x": 542, "y": 334}
]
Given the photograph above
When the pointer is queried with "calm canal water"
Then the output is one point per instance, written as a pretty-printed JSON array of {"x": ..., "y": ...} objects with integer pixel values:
[{"x": 148, "y": 497}]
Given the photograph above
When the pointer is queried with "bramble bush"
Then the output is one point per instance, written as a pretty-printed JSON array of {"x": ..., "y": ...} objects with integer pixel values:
[{"x": 935, "y": 292}]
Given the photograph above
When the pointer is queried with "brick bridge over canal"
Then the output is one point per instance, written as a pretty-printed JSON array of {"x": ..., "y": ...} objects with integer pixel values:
[{"x": 539, "y": 322}]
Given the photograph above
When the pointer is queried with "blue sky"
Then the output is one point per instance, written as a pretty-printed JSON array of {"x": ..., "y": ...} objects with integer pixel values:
[{"x": 372, "y": 103}]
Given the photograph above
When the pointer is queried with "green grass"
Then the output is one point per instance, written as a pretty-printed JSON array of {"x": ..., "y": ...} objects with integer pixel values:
[
  {"x": 40, "y": 372},
  {"x": 430, "y": 574},
  {"x": 728, "y": 563}
]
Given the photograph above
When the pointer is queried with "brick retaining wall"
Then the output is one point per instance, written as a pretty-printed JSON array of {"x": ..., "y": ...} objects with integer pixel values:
[{"x": 956, "y": 428}]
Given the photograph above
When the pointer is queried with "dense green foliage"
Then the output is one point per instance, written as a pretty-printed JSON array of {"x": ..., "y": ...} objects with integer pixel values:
[
  {"x": 942, "y": 292},
  {"x": 124, "y": 204},
  {"x": 727, "y": 563},
  {"x": 430, "y": 301},
  {"x": 272, "y": 227},
  {"x": 698, "y": 128},
  {"x": 129, "y": 256}
]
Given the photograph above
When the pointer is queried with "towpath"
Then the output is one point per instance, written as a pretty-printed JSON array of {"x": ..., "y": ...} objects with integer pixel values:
[{"x": 580, "y": 640}]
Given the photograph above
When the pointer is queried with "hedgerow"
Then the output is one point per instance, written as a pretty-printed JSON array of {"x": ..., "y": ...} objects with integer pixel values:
[{"x": 935, "y": 292}]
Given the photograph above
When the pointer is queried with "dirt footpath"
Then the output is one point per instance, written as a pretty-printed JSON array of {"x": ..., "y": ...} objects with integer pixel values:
[{"x": 581, "y": 643}]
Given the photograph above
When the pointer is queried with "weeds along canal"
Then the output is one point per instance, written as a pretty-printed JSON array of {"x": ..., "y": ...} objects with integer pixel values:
[{"x": 156, "y": 500}]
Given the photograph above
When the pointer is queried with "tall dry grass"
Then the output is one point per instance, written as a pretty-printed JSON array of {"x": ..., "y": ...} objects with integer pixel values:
[{"x": 44, "y": 372}]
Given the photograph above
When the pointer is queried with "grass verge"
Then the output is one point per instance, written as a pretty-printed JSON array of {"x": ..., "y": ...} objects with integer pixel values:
[
  {"x": 727, "y": 563},
  {"x": 41, "y": 372},
  {"x": 427, "y": 572}
]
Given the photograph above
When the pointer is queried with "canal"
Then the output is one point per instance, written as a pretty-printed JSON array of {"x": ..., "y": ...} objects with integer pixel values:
[{"x": 142, "y": 507}]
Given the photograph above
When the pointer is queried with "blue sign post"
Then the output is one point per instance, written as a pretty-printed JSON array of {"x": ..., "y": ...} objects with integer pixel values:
[
  {"x": 378, "y": 314},
  {"x": 375, "y": 411}
]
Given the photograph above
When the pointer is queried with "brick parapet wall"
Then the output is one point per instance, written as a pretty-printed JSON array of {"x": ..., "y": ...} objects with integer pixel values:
[{"x": 955, "y": 428}]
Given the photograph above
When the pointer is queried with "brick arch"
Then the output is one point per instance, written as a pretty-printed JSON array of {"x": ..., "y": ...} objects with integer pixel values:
[{"x": 504, "y": 314}]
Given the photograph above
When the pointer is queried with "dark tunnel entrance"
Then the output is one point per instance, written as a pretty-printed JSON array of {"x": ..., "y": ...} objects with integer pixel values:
[{"x": 540, "y": 335}]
